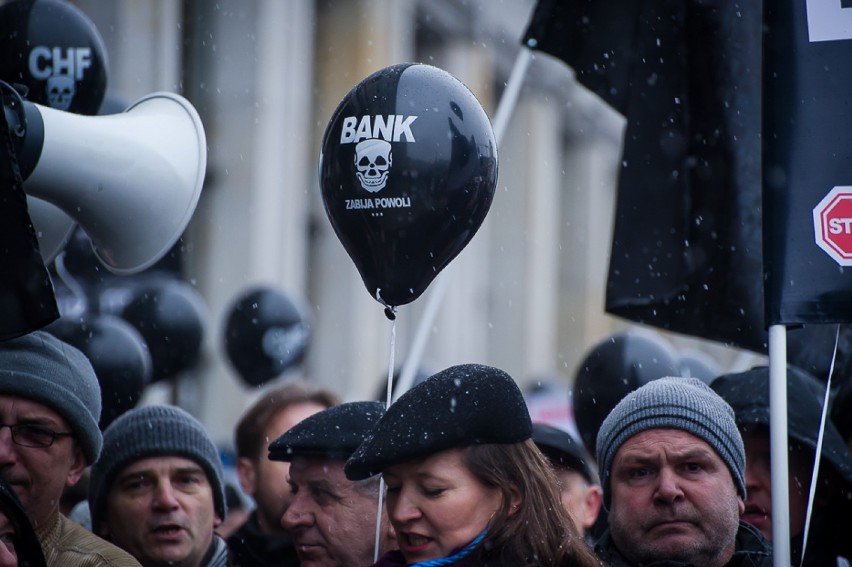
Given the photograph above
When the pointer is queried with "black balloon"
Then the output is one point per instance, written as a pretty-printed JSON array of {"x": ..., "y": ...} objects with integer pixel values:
[
  {"x": 118, "y": 355},
  {"x": 408, "y": 170},
  {"x": 265, "y": 334},
  {"x": 169, "y": 314},
  {"x": 612, "y": 369},
  {"x": 54, "y": 49}
]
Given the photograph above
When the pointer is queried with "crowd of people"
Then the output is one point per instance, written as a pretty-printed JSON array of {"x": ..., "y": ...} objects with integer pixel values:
[{"x": 454, "y": 473}]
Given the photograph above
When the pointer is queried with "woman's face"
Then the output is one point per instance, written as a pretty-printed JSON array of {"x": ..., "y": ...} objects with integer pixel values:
[{"x": 436, "y": 505}]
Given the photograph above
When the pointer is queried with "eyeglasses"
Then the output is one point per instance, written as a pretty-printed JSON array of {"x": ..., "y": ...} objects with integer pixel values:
[{"x": 32, "y": 435}]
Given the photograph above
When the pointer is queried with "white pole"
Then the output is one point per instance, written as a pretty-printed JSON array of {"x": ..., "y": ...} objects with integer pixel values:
[
  {"x": 501, "y": 121},
  {"x": 778, "y": 445}
]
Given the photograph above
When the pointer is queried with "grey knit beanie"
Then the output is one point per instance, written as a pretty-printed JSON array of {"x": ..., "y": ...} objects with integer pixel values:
[
  {"x": 153, "y": 431},
  {"x": 687, "y": 404},
  {"x": 41, "y": 368}
]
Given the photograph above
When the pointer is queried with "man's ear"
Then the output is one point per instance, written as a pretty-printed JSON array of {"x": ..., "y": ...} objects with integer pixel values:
[
  {"x": 246, "y": 475},
  {"x": 78, "y": 466},
  {"x": 592, "y": 504}
]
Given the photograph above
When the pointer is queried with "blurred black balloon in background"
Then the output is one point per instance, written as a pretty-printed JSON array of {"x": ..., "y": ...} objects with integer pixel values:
[
  {"x": 118, "y": 355},
  {"x": 265, "y": 334},
  {"x": 52, "y": 48},
  {"x": 612, "y": 369},
  {"x": 170, "y": 316}
]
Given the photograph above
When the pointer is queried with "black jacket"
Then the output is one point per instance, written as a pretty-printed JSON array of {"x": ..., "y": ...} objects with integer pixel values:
[
  {"x": 251, "y": 548},
  {"x": 751, "y": 550}
]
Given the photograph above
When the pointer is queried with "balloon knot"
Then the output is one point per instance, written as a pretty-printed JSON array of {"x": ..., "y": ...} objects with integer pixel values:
[{"x": 390, "y": 313}]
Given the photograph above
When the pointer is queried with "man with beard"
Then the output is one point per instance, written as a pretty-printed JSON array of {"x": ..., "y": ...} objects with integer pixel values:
[
  {"x": 157, "y": 490},
  {"x": 672, "y": 466}
]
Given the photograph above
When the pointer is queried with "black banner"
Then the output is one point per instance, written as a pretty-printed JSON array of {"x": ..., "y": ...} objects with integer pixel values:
[
  {"x": 807, "y": 111},
  {"x": 27, "y": 302},
  {"x": 687, "y": 241}
]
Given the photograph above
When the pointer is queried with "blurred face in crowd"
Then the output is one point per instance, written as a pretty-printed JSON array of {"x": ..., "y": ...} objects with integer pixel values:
[
  {"x": 580, "y": 498},
  {"x": 265, "y": 480},
  {"x": 437, "y": 505},
  {"x": 673, "y": 498},
  {"x": 38, "y": 475},
  {"x": 758, "y": 505},
  {"x": 8, "y": 555},
  {"x": 332, "y": 519},
  {"x": 161, "y": 511}
]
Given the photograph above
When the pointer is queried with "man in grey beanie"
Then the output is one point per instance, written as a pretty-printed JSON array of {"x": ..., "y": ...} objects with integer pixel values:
[
  {"x": 50, "y": 403},
  {"x": 157, "y": 490},
  {"x": 672, "y": 466}
]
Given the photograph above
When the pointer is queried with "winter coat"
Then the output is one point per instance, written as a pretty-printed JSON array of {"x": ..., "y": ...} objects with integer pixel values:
[
  {"x": 67, "y": 544},
  {"x": 252, "y": 548},
  {"x": 750, "y": 550}
]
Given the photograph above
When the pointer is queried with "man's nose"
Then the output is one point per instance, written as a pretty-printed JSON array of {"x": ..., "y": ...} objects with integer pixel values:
[
  {"x": 297, "y": 514},
  {"x": 668, "y": 486}
]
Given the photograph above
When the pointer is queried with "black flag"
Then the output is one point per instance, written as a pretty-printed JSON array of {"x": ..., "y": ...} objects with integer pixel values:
[
  {"x": 27, "y": 302},
  {"x": 687, "y": 247},
  {"x": 808, "y": 162}
]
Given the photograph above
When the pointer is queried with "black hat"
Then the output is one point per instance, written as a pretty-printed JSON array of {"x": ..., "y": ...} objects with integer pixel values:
[
  {"x": 333, "y": 433},
  {"x": 464, "y": 405},
  {"x": 748, "y": 393},
  {"x": 561, "y": 449}
]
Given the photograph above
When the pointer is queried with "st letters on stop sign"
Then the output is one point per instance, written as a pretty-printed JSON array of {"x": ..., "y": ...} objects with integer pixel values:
[{"x": 833, "y": 225}]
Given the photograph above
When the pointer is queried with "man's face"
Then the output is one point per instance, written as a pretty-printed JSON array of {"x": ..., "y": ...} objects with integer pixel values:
[
  {"x": 266, "y": 480},
  {"x": 161, "y": 511},
  {"x": 38, "y": 475},
  {"x": 673, "y": 498},
  {"x": 332, "y": 523},
  {"x": 758, "y": 505},
  {"x": 580, "y": 499}
]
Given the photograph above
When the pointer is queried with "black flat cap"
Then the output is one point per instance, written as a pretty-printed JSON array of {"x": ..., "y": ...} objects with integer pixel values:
[
  {"x": 333, "y": 433},
  {"x": 464, "y": 405},
  {"x": 561, "y": 449},
  {"x": 748, "y": 393}
]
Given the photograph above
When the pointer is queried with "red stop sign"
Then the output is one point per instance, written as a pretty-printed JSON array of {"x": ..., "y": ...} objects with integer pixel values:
[{"x": 833, "y": 225}]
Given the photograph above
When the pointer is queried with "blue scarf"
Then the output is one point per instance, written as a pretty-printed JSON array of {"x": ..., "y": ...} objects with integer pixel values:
[{"x": 463, "y": 552}]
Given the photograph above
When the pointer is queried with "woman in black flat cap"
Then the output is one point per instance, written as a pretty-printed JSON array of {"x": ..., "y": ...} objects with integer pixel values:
[{"x": 465, "y": 484}]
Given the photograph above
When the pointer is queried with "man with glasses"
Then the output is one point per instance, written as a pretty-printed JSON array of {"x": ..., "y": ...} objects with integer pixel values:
[{"x": 50, "y": 404}]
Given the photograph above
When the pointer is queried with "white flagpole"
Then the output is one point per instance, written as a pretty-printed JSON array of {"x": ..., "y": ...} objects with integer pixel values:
[
  {"x": 501, "y": 121},
  {"x": 778, "y": 445}
]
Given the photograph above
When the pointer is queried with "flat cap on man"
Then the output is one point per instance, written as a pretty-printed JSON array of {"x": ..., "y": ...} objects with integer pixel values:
[{"x": 333, "y": 433}]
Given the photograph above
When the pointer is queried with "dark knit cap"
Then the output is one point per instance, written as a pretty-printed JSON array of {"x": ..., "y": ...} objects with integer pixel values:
[
  {"x": 463, "y": 405},
  {"x": 333, "y": 433},
  {"x": 687, "y": 404},
  {"x": 748, "y": 393},
  {"x": 41, "y": 368},
  {"x": 562, "y": 450},
  {"x": 153, "y": 431}
]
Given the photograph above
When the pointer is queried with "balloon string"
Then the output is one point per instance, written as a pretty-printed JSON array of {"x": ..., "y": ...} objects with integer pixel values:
[
  {"x": 818, "y": 452},
  {"x": 391, "y": 363}
]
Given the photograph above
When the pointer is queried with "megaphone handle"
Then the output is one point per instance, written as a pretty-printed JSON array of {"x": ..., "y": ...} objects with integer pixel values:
[{"x": 25, "y": 126}]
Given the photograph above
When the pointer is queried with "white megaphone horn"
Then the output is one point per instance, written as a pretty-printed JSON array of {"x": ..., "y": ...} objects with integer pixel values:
[{"x": 131, "y": 180}]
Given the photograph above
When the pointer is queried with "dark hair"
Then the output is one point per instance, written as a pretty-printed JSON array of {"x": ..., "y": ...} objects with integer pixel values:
[
  {"x": 539, "y": 532},
  {"x": 249, "y": 440}
]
